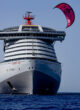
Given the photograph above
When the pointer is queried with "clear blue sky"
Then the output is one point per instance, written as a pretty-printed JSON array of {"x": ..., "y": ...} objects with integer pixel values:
[{"x": 68, "y": 52}]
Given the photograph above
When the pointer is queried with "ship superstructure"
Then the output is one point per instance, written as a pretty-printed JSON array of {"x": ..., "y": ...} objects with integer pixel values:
[{"x": 30, "y": 64}]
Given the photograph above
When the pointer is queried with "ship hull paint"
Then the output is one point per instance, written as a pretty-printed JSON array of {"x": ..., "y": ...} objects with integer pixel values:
[{"x": 31, "y": 82}]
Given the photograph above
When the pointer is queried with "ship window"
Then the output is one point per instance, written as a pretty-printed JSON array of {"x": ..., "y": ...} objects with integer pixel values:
[
  {"x": 31, "y": 54},
  {"x": 28, "y": 46},
  {"x": 33, "y": 42},
  {"x": 28, "y": 34},
  {"x": 48, "y": 29},
  {"x": 11, "y": 29},
  {"x": 32, "y": 50},
  {"x": 30, "y": 28},
  {"x": 31, "y": 58}
]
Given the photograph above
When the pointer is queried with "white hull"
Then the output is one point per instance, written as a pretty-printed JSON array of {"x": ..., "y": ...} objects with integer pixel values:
[{"x": 26, "y": 76}]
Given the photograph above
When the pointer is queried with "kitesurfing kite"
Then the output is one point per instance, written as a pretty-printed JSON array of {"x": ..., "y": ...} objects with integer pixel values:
[{"x": 68, "y": 12}]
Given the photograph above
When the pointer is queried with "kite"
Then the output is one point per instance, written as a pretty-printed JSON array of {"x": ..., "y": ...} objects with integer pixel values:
[{"x": 68, "y": 12}]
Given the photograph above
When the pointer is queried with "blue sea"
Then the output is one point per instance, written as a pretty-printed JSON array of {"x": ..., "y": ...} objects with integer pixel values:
[{"x": 40, "y": 102}]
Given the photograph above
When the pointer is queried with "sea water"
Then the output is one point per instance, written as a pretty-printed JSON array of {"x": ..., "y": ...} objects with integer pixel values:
[{"x": 40, "y": 102}]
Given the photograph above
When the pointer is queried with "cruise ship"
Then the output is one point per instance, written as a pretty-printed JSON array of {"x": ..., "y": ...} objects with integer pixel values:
[{"x": 30, "y": 63}]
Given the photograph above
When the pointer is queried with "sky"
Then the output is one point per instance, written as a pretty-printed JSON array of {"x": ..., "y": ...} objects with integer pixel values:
[{"x": 68, "y": 52}]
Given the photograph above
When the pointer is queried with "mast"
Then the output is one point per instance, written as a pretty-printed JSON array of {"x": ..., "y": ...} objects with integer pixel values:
[{"x": 28, "y": 18}]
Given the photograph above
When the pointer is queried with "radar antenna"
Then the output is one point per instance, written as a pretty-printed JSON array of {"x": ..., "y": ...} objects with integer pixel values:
[{"x": 28, "y": 17}]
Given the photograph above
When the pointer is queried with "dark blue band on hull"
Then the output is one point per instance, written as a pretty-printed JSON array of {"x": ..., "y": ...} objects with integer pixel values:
[{"x": 44, "y": 84}]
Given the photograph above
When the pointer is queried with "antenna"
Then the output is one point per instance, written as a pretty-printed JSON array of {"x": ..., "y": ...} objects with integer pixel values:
[{"x": 28, "y": 17}]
